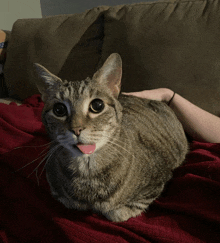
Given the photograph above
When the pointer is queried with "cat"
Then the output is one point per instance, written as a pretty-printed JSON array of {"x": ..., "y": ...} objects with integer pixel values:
[{"x": 111, "y": 153}]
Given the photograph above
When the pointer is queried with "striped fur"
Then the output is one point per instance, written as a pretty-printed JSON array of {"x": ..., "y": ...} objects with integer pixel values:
[{"x": 139, "y": 143}]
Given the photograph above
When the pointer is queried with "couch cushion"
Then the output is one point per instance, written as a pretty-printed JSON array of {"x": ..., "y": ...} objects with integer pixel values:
[
  {"x": 68, "y": 45},
  {"x": 172, "y": 44},
  {"x": 168, "y": 44}
]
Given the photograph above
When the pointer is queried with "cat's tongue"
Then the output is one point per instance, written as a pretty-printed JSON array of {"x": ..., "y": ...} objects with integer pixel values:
[{"x": 86, "y": 148}]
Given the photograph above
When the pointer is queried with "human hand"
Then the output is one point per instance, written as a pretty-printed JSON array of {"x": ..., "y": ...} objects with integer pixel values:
[{"x": 161, "y": 94}]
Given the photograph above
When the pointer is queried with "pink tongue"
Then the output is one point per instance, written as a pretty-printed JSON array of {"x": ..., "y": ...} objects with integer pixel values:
[{"x": 86, "y": 148}]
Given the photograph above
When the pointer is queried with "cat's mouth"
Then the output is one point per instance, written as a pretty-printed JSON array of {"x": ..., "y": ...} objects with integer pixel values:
[{"x": 86, "y": 148}]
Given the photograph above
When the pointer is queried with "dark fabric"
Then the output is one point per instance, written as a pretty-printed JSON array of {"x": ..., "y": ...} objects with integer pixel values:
[{"x": 188, "y": 210}]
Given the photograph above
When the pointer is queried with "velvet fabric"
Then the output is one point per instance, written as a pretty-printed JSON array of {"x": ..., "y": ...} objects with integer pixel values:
[{"x": 187, "y": 211}]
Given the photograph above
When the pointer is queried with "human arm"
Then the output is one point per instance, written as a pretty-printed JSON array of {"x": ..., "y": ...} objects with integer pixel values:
[{"x": 198, "y": 123}]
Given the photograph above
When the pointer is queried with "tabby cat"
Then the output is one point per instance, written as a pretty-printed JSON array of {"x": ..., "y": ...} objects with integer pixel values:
[{"x": 110, "y": 153}]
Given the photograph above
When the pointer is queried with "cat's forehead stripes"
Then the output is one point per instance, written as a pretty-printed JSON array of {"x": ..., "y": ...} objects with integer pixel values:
[
  {"x": 82, "y": 88},
  {"x": 78, "y": 88},
  {"x": 67, "y": 90},
  {"x": 85, "y": 87},
  {"x": 77, "y": 91},
  {"x": 65, "y": 94}
]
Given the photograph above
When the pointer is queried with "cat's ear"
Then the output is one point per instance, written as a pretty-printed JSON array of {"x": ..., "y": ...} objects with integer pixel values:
[
  {"x": 111, "y": 73},
  {"x": 46, "y": 82}
]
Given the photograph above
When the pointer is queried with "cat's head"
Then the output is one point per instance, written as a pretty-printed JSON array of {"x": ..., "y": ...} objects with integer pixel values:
[{"x": 82, "y": 115}]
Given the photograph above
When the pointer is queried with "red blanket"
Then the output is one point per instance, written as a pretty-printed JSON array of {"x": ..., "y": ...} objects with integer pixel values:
[{"x": 188, "y": 210}]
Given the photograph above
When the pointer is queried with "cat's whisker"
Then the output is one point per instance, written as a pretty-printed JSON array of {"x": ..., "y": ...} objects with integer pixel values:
[
  {"x": 116, "y": 144},
  {"x": 41, "y": 172},
  {"x": 47, "y": 157},
  {"x": 101, "y": 135},
  {"x": 38, "y": 165},
  {"x": 109, "y": 137},
  {"x": 95, "y": 140},
  {"x": 96, "y": 133},
  {"x": 34, "y": 146},
  {"x": 45, "y": 149},
  {"x": 119, "y": 146},
  {"x": 116, "y": 148},
  {"x": 31, "y": 162},
  {"x": 110, "y": 152}
]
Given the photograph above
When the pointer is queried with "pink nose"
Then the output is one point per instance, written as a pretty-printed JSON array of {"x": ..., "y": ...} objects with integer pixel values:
[{"x": 77, "y": 130}]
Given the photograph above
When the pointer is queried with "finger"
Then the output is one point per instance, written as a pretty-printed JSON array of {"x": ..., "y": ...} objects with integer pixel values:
[{"x": 132, "y": 93}]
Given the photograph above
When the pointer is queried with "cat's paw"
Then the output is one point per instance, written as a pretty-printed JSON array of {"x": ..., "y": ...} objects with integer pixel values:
[{"x": 123, "y": 214}]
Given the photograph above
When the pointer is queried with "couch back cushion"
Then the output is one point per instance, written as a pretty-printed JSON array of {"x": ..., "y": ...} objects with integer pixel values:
[
  {"x": 173, "y": 44},
  {"x": 67, "y": 45}
]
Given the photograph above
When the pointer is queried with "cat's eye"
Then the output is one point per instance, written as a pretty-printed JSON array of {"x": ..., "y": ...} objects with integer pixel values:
[
  {"x": 96, "y": 106},
  {"x": 60, "y": 110}
]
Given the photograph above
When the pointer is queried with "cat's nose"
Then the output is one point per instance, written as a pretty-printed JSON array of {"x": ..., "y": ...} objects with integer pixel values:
[{"x": 77, "y": 130}]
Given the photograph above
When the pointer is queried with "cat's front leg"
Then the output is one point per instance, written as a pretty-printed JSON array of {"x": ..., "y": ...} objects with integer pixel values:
[
  {"x": 68, "y": 202},
  {"x": 123, "y": 214}
]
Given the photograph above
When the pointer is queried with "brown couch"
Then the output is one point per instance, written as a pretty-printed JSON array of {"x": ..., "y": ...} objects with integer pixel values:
[{"x": 174, "y": 44}]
